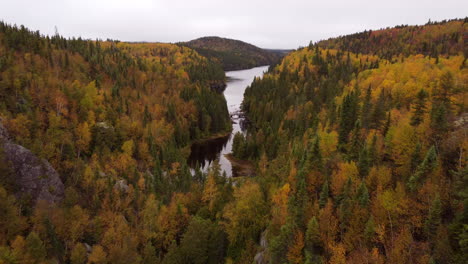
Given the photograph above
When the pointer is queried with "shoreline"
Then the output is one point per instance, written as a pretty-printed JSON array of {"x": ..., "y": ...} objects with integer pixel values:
[
  {"x": 219, "y": 146},
  {"x": 245, "y": 168},
  {"x": 211, "y": 137}
]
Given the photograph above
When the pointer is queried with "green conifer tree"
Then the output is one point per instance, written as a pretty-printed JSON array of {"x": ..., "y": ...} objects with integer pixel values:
[{"x": 419, "y": 108}]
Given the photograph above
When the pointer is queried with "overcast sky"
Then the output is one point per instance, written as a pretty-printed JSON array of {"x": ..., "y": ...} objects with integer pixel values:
[{"x": 265, "y": 23}]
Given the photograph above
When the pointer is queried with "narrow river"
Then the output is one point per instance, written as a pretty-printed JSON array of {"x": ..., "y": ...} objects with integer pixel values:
[{"x": 206, "y": 152}]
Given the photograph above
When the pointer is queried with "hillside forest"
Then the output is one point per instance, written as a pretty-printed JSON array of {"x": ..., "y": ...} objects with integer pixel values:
[
  {"x": 359, "y": 146},
  {"x": 234, "y": 54}
]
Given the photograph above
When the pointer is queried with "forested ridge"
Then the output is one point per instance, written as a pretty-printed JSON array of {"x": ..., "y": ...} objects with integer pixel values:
[
  {"x": 113, "y": 119},
  {"x": 361, "y": 148},
  {"x": 359, "y": 145},
  {"x": 445, "y": 37},
  {"x": 234, "y": 54}
]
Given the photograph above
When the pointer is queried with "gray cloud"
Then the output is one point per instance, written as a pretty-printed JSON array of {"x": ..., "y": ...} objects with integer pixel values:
[{"x": 265, "y": 23}]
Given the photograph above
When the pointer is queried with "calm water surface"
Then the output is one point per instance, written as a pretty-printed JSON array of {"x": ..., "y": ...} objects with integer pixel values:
[{"x": 206, "y": 152}]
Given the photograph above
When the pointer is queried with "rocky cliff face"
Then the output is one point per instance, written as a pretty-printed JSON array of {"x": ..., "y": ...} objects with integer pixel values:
[{"x": 33, "y": 176}]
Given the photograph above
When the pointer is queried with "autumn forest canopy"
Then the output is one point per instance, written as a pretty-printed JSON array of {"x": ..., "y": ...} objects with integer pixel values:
[{"x": 359, "y": 146}]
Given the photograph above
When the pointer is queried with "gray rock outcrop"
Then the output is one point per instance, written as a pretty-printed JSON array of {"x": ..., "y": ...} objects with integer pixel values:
[
  {"x": 260, "y": 257},
  {"x": 33, "y": 176},
  {"x": 122, "y": 186}
]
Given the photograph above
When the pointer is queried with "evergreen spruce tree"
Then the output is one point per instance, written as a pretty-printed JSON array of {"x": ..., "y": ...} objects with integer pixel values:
[
  {"x": 369, "y": 230},
  {"x": 366, "y": 109},
  {"x": 344, "y": 201},
  {"x": 324, "y": 194},
  {"x": 387, "y": 125},
  {"x": 279, "y": 245},
  {"x": 373, "y": 153},
  {"x": 439, "y": 122},
  {"x": 363, "y": 195},
  {"x": 298, "y": 200},
  {"x": 56, "y": 246},
  {"x": 356, "y": 141},
  {"x": 434, "y": 218},
  {"x": 312, "y": 241},
  {"x": 445, "y": 89},
  {"x": 348, "y": 116},
  {"x": 419, "y": 108},
  {"x": 364, "y": 162},
  {"x": 378, "y": 114},
  {"x": 149, "y": 254},
  {"x": 36, "y": 247},
  {"x": 146, "y": 116},
  {"x": 312, "y": 236},
  {"x": 316, "y": 155},
  {"x": 426, "y": 166},
  {"x": 416, "y": 157}
]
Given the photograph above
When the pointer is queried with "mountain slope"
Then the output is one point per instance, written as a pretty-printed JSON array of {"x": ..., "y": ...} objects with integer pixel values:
[
  {"x": 233, "y": 54},
  {"x": 361, "y": 156},
  {"x": 362, "y": 153},
  {"x": 432, "y": 39},
  {"x": 112, "y": 119}
]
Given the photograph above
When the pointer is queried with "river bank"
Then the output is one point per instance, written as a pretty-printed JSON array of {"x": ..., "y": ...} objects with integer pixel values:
[
  {"x": 241, "y": 168},
  {"x": 217, "y": 147}
]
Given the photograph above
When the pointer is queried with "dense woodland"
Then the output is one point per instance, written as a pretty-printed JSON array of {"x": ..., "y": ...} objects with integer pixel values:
[
  {"x": 446, "y": 37},
  {"x": 362, "y": 154},
  {"x": 101, "y": 112},
  {"x": 359, "y": 145}
]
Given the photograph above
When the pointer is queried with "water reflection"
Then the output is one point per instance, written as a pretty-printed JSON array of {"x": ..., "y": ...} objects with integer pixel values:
[{"x": 203, "y": 154}]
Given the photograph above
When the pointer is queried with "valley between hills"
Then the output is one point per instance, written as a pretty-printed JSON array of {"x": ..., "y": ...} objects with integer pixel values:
[{"x": 351, "y": 149}]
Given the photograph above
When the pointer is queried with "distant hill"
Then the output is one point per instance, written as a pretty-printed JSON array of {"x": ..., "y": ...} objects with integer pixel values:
[
  {"x": 432, "y": 39},
  {"x": 234, "y": 54}
]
